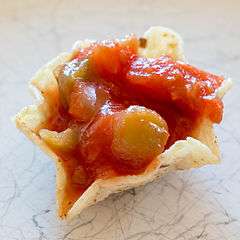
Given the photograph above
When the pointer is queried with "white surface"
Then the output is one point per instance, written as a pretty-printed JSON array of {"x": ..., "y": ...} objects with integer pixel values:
[{"x": 199, "y": 204}]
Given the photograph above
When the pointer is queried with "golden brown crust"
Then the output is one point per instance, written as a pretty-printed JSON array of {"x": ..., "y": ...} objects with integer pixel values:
[{"x": 190, "y": 153}]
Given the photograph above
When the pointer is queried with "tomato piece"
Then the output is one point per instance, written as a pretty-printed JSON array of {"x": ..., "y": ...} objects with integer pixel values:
[
  {"x": 96, "y": 139},
  {"x": 82, "y": 104},
  {"x": 66, "y": 76},
  {"x": 111, "y": 59},
  {"x": 175, "y": 82},
  {"x": 95, "y": 145},
  {"x": 86, "y": 100}
]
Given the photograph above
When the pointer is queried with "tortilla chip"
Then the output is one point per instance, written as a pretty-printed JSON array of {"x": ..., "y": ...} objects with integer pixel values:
[{"x": 196, "y": 151}]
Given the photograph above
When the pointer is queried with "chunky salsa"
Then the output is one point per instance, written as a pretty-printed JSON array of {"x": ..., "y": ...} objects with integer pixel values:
[{"x": 117, "y": 111}]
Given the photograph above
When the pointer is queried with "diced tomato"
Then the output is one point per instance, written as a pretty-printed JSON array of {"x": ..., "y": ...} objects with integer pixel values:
[
  {"x": 82, "y": 104},
  {"x": 165, "y": 80},
  {"x": 95, "y": 144},
  {"x": 111, "y": 59}
]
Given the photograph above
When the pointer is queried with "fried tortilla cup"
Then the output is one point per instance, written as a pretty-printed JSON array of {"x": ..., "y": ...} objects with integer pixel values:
[{"x": 199, "y": 149}]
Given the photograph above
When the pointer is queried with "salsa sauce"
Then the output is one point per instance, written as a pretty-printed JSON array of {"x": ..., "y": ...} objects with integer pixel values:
[{"x": 109, "y": 77}]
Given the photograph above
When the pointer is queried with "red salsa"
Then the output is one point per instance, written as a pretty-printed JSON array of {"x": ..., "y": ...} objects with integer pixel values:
[{"x": 125, "y": 110}]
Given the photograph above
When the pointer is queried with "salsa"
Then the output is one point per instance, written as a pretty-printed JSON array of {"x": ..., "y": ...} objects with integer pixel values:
[{"x": 118, "y": 111}]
